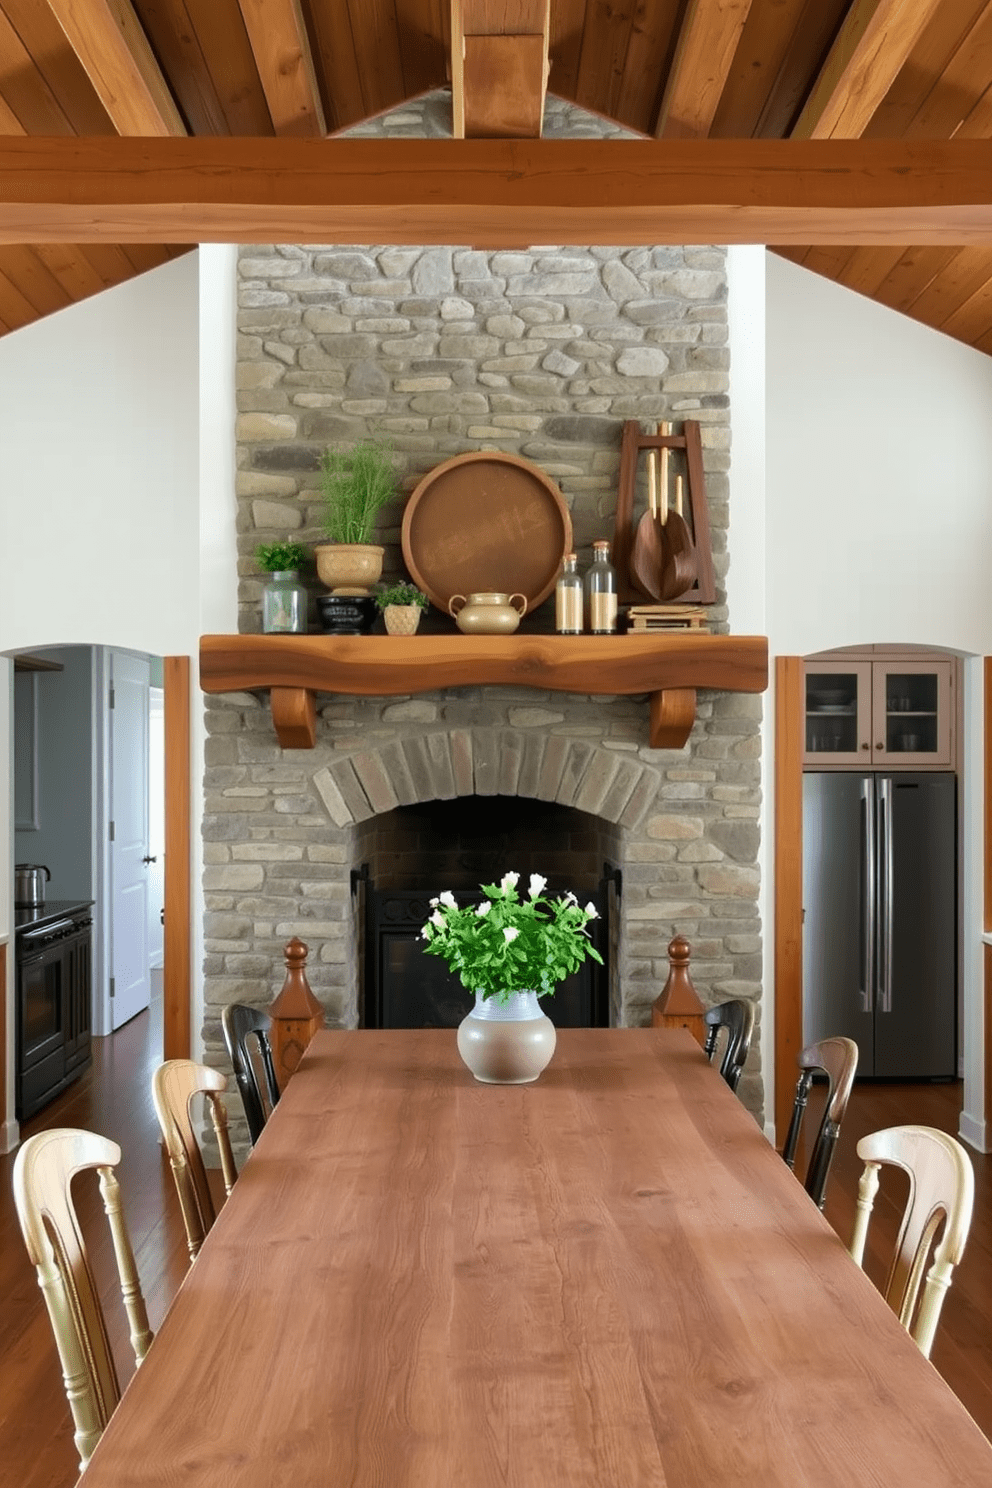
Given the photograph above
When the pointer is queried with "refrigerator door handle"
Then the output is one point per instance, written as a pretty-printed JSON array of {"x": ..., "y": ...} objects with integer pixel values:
[
  {"x": 867, "y": 892},
  {"x": 885, "y": 898}
]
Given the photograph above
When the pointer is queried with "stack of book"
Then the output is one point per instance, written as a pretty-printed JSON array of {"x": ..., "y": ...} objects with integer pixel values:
[{"x": 667, "y": 617}]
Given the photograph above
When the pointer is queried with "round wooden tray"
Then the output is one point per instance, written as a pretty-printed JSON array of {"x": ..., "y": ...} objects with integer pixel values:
[{"x": 484, "y": 522}]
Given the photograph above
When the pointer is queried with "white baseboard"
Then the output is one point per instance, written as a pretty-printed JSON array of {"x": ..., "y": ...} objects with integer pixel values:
[
  {"x": 10, "y": 1137},
  {"x": 973, "y": 1132}
]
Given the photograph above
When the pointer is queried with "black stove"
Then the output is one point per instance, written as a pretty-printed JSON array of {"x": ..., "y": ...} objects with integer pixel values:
[
  {"x": 53, "y": 955},
  {"x": 55, "y": 909}
]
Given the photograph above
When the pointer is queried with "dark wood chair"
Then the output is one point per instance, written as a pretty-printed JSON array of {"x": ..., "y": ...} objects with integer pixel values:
[
  {"x": 737, "y": 1017},
  {"x": 242, "y": 1024},
  {"x": 837, "y": 1058}
]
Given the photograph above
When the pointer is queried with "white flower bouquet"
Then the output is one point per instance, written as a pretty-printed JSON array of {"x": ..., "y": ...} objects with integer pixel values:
[{"x": 508, "y": 944}]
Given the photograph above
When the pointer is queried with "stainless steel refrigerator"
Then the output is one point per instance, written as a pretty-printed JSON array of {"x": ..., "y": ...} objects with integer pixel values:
[{"x": 880, "y": 919}]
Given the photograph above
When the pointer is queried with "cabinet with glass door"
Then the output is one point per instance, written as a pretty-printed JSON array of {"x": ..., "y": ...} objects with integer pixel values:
[{"x": 896, "y": 713}]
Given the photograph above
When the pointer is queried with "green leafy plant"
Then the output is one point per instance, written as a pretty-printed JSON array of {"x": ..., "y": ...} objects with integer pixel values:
[
  {"x": 401, "y": 594},
  {"x": 357, "y": 484},
  {"x": 278, "y": 557},
  {"x": 507, "y": 944}
]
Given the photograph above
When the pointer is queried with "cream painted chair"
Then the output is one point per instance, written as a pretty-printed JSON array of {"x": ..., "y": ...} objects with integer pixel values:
[
  {"x": 43, "y": 1170},
  {"x": 175, "y": 1085},
  {"x": 941, "y": 1192}
]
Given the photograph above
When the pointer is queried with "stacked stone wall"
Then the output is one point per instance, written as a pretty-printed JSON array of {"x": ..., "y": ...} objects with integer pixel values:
[{"x": 541, "y": 353}]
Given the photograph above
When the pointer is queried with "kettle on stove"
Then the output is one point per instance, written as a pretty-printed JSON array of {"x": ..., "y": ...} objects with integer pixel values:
[{"x": 29, "y": 884}]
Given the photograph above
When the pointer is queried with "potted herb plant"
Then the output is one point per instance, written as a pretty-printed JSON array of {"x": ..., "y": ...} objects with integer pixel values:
[
  {"x": 356, "y": 485},
  {"x": 284, "y": 598},
  {"x": 509, "y": 951},
  {"x": 402, "y": 606}
]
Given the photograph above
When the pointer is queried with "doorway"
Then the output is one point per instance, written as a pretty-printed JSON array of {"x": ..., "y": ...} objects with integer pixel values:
[
  {"x": 174, "y": 675},
  {"x": 89, "y": 794}
]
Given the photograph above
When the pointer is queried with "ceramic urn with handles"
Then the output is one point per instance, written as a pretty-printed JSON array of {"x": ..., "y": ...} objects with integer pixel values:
[{"x": 487, "y": 614}]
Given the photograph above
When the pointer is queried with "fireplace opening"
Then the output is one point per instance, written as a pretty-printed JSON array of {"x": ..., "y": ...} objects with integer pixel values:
[{"x": 409, "y": 855}]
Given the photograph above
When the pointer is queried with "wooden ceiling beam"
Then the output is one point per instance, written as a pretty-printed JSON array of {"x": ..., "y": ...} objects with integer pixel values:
[
  {"x": 281, "y": 47},
  {"x": 704, "y": 54},
  {"x": 499, "y": 68},
  {"x": 107, "y": 38},
  {"x": 869, "y": 52},
  {"x": 495, "y": 192}
]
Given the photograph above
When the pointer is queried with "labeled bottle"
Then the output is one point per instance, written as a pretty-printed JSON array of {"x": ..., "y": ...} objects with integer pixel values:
[
  {"x": 568, "y": 599},
  {"x": 601, "y": 592}
]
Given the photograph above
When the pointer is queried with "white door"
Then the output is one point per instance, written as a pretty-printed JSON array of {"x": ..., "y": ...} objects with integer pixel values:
[
  {"x": 129, "y": 853},
  {"x": 156, "y": 825}
]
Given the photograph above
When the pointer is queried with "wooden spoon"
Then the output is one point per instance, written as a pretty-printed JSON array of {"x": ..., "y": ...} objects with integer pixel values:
[
  {"x": 679, "y": 569},
  {"x": 646, "y": 559}
]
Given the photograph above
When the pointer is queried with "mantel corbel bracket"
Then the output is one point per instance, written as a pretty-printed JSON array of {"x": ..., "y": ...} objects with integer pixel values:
[
  {"x": 294, "y": 716},
  {"x": 673, "y": 712}
]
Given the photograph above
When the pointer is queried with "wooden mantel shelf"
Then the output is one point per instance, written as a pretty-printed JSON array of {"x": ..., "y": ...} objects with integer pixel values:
[{"x": 669, "y": 667}]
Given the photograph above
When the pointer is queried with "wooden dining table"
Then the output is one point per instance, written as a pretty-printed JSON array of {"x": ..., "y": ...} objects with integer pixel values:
[{"x": 604, "y": 1279}]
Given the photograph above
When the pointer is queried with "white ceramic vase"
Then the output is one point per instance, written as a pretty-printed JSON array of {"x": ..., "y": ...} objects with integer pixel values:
[{"x": 506, "y": 1043}]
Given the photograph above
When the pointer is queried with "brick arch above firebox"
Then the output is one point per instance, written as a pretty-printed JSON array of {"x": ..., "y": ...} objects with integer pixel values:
[{"x": 488, "y": 761}]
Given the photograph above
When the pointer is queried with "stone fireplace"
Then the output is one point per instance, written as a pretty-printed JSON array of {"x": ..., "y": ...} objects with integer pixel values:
[{"x": 542, "y": 353}]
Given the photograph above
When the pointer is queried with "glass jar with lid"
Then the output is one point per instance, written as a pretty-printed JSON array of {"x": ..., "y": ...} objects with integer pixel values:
[
  {"x": 601, "y": 592},
  {"x": 568, "y": 599}
]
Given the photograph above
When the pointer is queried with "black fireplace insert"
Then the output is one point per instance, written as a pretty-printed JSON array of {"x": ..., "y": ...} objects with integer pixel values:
[{"x": 403, "y": 987}]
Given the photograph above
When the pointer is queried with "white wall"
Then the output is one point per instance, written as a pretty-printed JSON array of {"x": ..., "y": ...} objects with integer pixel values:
[
  {"x": 99, "y": 411},
  {"x": 879, "y": 477},
  {"x": 218, "y": 536}
]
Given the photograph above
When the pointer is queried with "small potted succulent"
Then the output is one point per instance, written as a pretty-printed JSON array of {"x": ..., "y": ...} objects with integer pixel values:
[
  {"x": 284, "y": 598},
  {"x": 356, "y": 485},
  {"x": 402, "y": 606}
]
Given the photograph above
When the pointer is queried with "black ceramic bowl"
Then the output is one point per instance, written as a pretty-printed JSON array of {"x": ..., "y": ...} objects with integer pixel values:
[{"x": 346, "y": 614}]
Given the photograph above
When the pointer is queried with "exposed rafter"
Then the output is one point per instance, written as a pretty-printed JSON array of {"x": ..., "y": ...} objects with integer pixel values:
[
  {"x": 107, "y": 38},
  {"x": 281, "y": 47},
  {"x": 499, "y": 67},
  {"x": 871, "y": 47},
  {"x": 707, "y": 42},
  {"x": 499, "y": 192}
]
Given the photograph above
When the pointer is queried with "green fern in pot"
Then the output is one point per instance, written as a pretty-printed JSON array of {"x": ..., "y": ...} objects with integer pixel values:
[{"x": 356, "y": 485}]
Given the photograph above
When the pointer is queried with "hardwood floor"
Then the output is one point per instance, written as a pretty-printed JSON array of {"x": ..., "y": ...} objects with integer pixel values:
[{"x": 36, "y": 1448}]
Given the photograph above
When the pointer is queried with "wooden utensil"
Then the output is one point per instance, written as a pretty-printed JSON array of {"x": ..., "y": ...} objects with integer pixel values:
[
  {"x": 647, "y": 557},
  {"x": 664, "y": 454},
  {"x": 679, "y": 569}
]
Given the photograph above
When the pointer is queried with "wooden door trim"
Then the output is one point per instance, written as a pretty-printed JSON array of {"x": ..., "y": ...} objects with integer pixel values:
[
  {"x": 788, "y": 882},
  {"x": 3, "y": 1038},
  {"x": 987, "y": 888},
  {"x": 177, "y": 941}
]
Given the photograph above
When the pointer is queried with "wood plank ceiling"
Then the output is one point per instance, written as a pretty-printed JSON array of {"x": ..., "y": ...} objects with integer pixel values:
[{"x": 672, "y": 69}]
